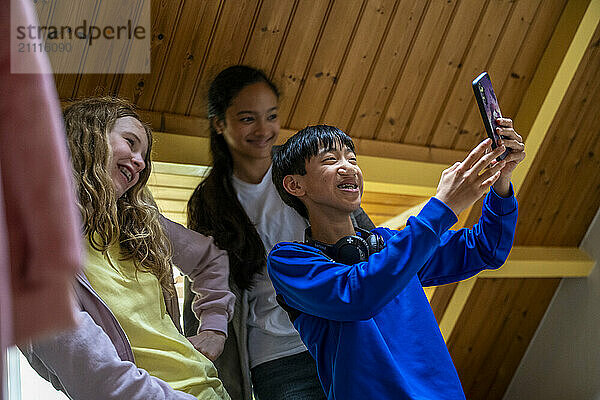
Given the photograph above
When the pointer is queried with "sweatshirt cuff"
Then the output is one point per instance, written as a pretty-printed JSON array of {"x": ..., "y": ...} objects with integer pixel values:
[
  {"x": 438, "y": 216},
  {"x": 501, "y": 205},
  {"x": 213, "y": 319}
]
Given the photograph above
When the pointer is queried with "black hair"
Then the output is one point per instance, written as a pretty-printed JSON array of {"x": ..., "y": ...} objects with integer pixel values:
[
  {"x": 291, "y": 158},
  {"x": 213, "y": 208}
]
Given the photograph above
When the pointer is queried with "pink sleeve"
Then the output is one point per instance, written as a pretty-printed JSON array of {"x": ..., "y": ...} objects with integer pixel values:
[
  {"x": 42, "y": 222},
  {"x": 207, "y": 266}
]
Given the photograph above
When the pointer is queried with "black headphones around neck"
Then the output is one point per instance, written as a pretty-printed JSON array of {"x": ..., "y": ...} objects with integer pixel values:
[{"x": 349, "y": 249}]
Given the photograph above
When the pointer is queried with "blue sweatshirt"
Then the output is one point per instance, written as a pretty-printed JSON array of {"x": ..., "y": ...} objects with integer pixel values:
[{"x": 369, "y": 325}]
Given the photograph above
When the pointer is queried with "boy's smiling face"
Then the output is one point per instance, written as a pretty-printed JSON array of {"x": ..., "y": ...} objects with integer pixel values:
[{"x": 333, "y": 182}]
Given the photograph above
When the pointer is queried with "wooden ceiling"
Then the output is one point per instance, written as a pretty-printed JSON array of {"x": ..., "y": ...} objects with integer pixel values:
[{"x": 395, "y": 75}]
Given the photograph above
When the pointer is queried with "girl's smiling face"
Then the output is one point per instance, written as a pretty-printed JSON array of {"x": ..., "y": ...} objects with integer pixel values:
[
  {"x": 251, "y": 123},
  {"x": 129, "y": 144}
]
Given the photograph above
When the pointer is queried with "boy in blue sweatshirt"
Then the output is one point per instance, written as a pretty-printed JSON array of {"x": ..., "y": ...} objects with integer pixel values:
[{"x": 357, "y": 297}]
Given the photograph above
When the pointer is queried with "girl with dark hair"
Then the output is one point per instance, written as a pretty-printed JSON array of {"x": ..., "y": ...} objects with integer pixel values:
[{"x": 239, "y": 206}]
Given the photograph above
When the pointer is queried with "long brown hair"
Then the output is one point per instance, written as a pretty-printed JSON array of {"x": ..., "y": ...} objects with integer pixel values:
[
  {"x": 213, "y": 208},
  {"x": 131, "y": 220}
]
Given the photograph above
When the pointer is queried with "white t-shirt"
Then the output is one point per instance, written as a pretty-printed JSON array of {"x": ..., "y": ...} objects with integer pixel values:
[{"x": 271, "y": 335}]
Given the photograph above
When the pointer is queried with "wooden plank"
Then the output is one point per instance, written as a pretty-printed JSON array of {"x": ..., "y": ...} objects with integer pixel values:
[
  {"x": 499, "y": 67},
  {"x": 108, "y": 55},
  {"x": 581, "y": 161},
  {"x": 478, "y": 326},
  {"x": 139, "y": 88},
  {"x": 559, "y": 87},
  {"x": 272, "y": 27},
  {"x": 583, "y": 190},
  {"x": 477, "y": 58},
  {"x": 566, "y": 222},
  {"x": 398, "y": 111},
  {"x": 528, "y": 58},
  {"x": 391, "y": 61},
  {"x": 174, "y": 84},
  {"x": 291, "y": 67},
  {"x": 501, "y": 313},
  {"x": 331, "y": 52},
  {"x": 516, "y": 335},
  {"x": 582, "y": 212},
  {"x": 529, "y": 112},
  {"x": 554, "y": 174},
  {"x": 556, "y": 216},
  {"x": 442, "y": 74},
  {"x": 54, "y": 14},
  {"x": 64, "y": 82},
  {"x": 358, "y": 67},
  {"x": 233, "y": 27}
]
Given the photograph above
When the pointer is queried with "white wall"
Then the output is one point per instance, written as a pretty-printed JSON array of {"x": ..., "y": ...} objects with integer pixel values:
[{"x": 563, "y": 359}]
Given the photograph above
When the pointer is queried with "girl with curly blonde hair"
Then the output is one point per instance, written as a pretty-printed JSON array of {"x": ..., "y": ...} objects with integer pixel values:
[{"x": 128, "y": 343}]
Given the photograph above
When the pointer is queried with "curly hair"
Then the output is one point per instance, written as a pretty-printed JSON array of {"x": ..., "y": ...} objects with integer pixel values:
[{"x": 131, "y": 220}]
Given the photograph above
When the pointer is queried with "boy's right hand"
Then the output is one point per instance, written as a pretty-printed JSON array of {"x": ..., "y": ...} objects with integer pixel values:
[{"x": 465, "y": 182}]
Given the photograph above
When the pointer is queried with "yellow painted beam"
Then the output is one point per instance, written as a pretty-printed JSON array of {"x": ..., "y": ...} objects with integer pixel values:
[
  {"x": 540, "y": 104},
  {"x": 199, "y": 127},
  {"x": 429, "y": 291},
  {"x": 179, "y": 169},
  {"x": 399, "y": 220},
  {"x": 381, "y": 174},
  {"x": 543, "y": 262},
  {"x": 423, "y": 176},
  {"x": 523, "y": 262},
  {"x": 181, "y": 149}
]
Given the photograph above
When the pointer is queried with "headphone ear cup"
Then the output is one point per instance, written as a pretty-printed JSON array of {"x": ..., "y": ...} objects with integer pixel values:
[
  {"x": 376, "y": 242},
  {"x": 373, "y": 244},
  {"x": 351, "y": 250}
]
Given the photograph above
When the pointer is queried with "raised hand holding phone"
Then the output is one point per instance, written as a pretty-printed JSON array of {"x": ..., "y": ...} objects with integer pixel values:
[
  {"x": 500, "y": 130},
  {"x": 465, "y": 182}
]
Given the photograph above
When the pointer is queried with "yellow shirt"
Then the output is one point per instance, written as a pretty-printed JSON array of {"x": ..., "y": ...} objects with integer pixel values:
[{"x": 137, "y": 302}]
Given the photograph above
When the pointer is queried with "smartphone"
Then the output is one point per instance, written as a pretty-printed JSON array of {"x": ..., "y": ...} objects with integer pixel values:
[{"x": 489, "y": 109}]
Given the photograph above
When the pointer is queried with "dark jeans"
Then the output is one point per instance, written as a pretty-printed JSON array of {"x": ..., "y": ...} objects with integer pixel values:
[{"x": 288, "y": 378}]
